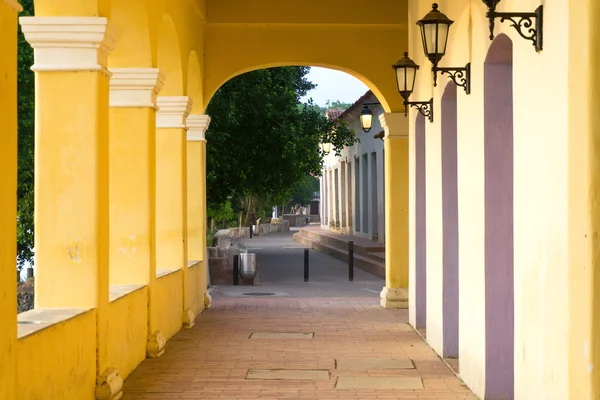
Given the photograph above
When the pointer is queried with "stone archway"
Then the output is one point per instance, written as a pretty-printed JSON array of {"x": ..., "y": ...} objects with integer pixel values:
[
  {"x": 499, "y": 245},
  {"x": 450, "y": 288}
]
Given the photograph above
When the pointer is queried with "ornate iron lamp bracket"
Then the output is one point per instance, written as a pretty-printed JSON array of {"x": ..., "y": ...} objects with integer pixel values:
[
  {"x": 521, "y": 21},
  {"x": 424, "y": 107},
  {"x": 461, "y": 76}
]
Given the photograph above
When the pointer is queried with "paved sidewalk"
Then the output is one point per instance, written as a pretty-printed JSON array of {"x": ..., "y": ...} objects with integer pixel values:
[{"x": 213, "y": 359}]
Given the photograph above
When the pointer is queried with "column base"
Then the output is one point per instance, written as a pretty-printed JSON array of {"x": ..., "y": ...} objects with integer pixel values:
[
  {"x": 156, "y": 345},
  {"x": 188, "y": 318},
  {"x": 207, "y": 301},
  {"x": 394, "y": 298},
  {"x": 109, "y": 385}
]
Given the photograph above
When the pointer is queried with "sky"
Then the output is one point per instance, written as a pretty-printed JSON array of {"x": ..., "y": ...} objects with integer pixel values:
[{"x": 334, "y": 85}]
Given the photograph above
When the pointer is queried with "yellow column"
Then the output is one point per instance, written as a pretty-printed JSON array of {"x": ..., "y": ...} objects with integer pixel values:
[
  {"x": 395, "y": 292},
  {"x": 132, "y": 176},
  {"x": 171, "y": 187},
  {"x": 71, "y": 171},
  {"x": 196, "y": 210},
  {"x": 8, "y": 201}
]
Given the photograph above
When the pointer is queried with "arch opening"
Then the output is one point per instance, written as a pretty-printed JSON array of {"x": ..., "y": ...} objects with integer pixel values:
[
  {"x": 210, "y": 92},
  {"x": 499, "y": 251},
  {"x": 450, "y": 309},
  {"x": 420, "y": 224}
]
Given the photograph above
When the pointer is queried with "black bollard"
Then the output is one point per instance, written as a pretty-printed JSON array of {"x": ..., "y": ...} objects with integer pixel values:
[
  {"x": 305, "y": 265},
  {"x": 351, "y": 260},
  {"x": 250, "y": 231},
  {"x": 236, "y": 269}
]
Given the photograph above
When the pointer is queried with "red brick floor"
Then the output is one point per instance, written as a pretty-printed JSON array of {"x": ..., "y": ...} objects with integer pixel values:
[{"x": 211, "y": 360}]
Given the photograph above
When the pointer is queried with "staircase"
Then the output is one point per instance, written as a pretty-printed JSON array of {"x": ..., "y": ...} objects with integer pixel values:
[{"x": 368, "y": 255}]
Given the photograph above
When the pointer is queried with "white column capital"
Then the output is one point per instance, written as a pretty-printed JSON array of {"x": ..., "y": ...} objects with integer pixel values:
[
  {"x": 14, "y": 4},
  {"x": 395, "y": 125},
  {"x": 135, "y": 87},
  {"x": 69, "y": 43},
  {"x": 172, "y": 111},
  {"x": 197, "y": 126}
]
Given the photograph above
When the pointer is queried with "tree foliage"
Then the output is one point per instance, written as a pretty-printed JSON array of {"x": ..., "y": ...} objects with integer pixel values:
[
  {"x": 26, "y": 139},
  {"x": 262, "y": 140}
]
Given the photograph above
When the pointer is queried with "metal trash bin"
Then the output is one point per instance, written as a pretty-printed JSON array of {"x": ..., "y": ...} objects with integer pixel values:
[{"x": 248, "y": 267}]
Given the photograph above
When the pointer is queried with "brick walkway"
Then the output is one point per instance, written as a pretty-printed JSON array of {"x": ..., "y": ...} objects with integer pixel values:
[{"x": 211, "y": 360}]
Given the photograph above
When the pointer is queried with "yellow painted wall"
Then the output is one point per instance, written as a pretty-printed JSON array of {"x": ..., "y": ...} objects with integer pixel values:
[
  {"x": 169, "y": 307},
  {"x": 171, "y": 198},
  {"x": 583, "y": 178},
  {"x": 132, "y": 185},
  {"x": 59, "y": 362},
  {"x": 196, "y": 204},
  {"x": 246, "y": 35},
  {"x": 128, "y": 331},
  {"x": 541, "y": 134},
  {"x": 8, "y": 201},
  {"x": 396, "y": 204},
  {"x": 71, "y": 209},
  {"x": 196, "y": 287}
]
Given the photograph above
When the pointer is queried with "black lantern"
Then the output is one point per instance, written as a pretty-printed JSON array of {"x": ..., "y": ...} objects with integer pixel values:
[
  {"x": 521, "y": 21},
  {"x": 406, "y": 73},
  {"x": 366, "y": 118},
  {"x": 435, "y": 27}
]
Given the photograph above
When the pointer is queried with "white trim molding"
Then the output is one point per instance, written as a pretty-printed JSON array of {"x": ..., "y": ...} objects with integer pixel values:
[
  {"x": 135, "y": 87},
  {"x": 394, "y": 124},
  {"x": 197, "y": 126},
  {"x": 14, "y": 4},
  {"x": 70, "y": 43},
  {"x": 172, "y": 111}
]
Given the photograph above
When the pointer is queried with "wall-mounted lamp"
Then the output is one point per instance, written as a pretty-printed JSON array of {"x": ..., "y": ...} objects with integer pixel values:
[
  {"x": 521, "y": 21},
  {"x": 325, "y": 148},
  {"x": 406, "y": 72},
  {"x": 366, "y": 116},
  {"x": 435, "y": 27}
]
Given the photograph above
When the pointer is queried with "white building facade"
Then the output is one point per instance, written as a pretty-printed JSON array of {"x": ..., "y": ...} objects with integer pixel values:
[{"x": 352, "y": 185}]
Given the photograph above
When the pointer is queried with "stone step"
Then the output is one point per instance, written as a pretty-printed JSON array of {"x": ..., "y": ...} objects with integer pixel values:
[
  {"x": 361, "y": 246},
  {"x": 363, "y": 262}
]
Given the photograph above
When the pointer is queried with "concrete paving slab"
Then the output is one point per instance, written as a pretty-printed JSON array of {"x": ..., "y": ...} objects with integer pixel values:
[
  {"x": 364, "y": 382},
  {"x": 374, "y": 363},
  {"x": 289, "y": 374},
  {"x": 282, "y": 335}
]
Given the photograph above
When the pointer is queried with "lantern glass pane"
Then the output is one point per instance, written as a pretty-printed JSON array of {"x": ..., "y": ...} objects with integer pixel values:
[
  {"x": 406, "y": 79},
  {"x": 435, "y": 36},
  {"x": 366, "y": 121}
]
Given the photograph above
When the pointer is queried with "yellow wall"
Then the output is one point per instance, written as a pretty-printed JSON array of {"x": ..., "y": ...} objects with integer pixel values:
[
  {"x": 132, "y": 185},
  {"x": 196, "y": 287},
  {"x": 71, "y": 210},
  {"x": 234, "y": 49},
  {"x": 128, "y": 331},
  {"x": 541, "y": 133},
  {"x": 583, "y": 178},
  {"x": 8, "y": 201},
  {"x": 59, "y": 362},
  {"x": 169, "y": 310},
  {"x": 171, "y": 198}
]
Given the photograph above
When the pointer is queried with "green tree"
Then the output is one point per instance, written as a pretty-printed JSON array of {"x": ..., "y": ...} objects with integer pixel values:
[
  {"x": 26, "y": 113},
  {"x": 304, "y": 191},
  {"x": 262, "y": 140}
]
